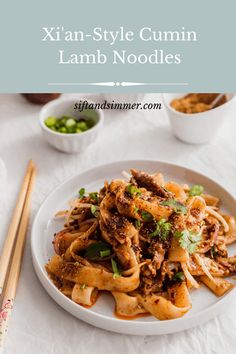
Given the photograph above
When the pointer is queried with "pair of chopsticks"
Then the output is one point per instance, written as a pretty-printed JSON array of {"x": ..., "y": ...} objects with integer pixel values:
[{"x": 12, "y": 252}]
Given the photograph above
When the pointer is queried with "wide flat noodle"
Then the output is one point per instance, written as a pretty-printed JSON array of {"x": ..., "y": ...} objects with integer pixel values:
[
  {"x": 162, "y": 308},
  {"x": 219, "y": 286},
  {"x": 84, "y": 295},
  {"x": 127, "y": 305},
  {"x": 95, "y": 277}
]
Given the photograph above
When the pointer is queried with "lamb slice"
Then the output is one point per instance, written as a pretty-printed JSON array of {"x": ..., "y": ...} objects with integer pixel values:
[{"x": 147, "y": 181}]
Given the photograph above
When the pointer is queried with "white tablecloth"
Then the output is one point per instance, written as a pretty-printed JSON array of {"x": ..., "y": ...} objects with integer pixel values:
[{"x": 38, "y": 325}]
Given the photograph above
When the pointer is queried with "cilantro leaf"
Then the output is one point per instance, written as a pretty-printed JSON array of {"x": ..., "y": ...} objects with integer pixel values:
[
  {"x": 95, "y": 251},
  {"x": 81, "y": 193},
  {"x": 178, "y": 207},
  {"x": 162, "y": 230},
  {"x": 183, "y": 238},
  {"x": 94, "y": 196},
  {"x": 194, "y": 237},
  {"x": 196, "y": 190},
  {"x": 146, "y": 216},
  {"x": 178, "y": 277},
  {"x": 188, "y": 240},
  {"x": 132, "y": 190},
  {"x": 116, "y": 272}
]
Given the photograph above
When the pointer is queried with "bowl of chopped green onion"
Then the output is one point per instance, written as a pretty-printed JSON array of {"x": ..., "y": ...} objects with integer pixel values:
[{"x": 67, "y": 128}]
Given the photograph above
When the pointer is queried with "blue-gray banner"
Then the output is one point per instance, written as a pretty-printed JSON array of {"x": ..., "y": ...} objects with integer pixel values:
[{"x": 122, "y": 46}]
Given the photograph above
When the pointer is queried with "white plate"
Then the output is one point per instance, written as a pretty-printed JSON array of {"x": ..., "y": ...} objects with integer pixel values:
[{"x": 205, "y": 304}]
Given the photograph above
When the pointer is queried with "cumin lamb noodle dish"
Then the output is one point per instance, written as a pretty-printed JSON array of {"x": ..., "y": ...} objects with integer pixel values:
[{"x": 146, "y": 241}]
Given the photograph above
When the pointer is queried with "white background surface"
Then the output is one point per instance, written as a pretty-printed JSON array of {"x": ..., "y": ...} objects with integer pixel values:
[{"x": 38, "y": 324}]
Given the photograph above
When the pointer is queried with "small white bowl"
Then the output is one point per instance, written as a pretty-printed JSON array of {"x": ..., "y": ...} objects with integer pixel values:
[
  {"x": 70, "y": 143},
  {"x": 197, "y": 128}
]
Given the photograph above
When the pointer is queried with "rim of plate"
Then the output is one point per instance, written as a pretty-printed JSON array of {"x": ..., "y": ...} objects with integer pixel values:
[{"x": 124, "y": 326}]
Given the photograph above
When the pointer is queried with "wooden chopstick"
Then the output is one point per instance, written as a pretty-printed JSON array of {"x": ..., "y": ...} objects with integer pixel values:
[
  {"x": 9, "y": 291},
  {"x": 14, "y": 224}
]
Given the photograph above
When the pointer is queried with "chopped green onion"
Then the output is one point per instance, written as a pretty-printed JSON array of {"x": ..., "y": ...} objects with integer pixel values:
[
  {"x": 196, "y": 190},
  {"x": 178, "y": 207},
  {"x": 81, "y": 192},
  {"x": 94, "y": 210},
  {"x": 137, "y": 224},
  {"x": 68, "y": 124},
  {"x": 63, "y": 120},
  {"x": 63, "y": 130},
  {"x": 71, "y": 130},
  {"x": 50, "y": 121},
  {"x": 115, "y": 269},
  {"x": 94, "y": 250},
  {"x": 82, "y": 126},
  {"x": 146, "y": 216},
  {"x": 105, "y": 253},
  {"x": 132, "y": 190},
  {"x": 83, "y": 286}
]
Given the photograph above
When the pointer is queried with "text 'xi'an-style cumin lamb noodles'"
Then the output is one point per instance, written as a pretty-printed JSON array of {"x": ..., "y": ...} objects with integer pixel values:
[{"x": 146, "y": 241}]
